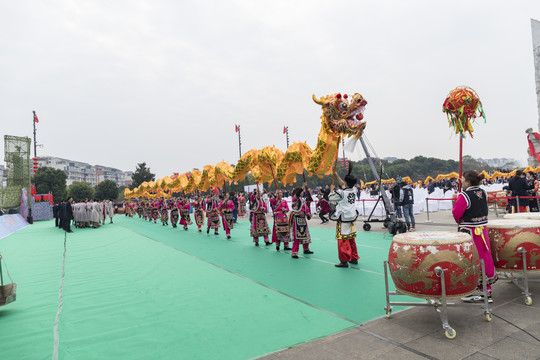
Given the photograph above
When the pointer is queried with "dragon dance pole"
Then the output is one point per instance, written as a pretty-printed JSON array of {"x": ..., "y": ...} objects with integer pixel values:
[{"x": 460, "y": 162}]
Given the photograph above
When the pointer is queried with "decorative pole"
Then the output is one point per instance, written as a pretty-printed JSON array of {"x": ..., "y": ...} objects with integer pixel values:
[
  {"x": 35, "y": 143},
  {"x": 237, "y": 129},
  {"x": 286, "y": 132},
  {"x": 462, "y": 106}
]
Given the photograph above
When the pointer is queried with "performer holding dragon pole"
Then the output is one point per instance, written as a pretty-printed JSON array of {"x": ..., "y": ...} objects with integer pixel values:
[
  {"x": 345, "y": 215},
  {"x": 298, "y": 221},
  {"x": 174, "y": 213},
  {"x": 226, "y": 208},
  {"x": 185, "y": 219},
  {"x": 259, "y": 225},
  {"x": 241, "y": 204},
  {"x": 212, "y": 213},
  {"x": 164, "y": 213},
  {"x": 198, "y": 212},
  {"x": 280, "y": 231}
]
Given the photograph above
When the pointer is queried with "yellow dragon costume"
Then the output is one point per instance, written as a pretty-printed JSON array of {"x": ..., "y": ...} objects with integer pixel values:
[{"x": 342, "y": 116}]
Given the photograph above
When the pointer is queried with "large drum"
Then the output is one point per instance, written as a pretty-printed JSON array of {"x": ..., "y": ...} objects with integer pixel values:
[
  {"x": 523, "y": 215},
  {"x": 491, "y": 195},
  {"x": 413, "y": 258},
  {"x": 502, "y": 201},
  {"x": 509, "y": 235}
]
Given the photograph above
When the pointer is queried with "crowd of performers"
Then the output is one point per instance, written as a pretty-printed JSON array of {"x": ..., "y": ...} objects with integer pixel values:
[
  {"x": 92, "y": 213},
  {"x": 290, "y": 226}
]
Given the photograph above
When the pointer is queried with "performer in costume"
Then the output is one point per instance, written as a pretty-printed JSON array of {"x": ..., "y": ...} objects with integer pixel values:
[
  {"x": 298, "y": 221},
  {"x": 241, "y": 205},
  {"x": 198, "y": 212},
  {"x": 174, "y": 212},
  {"x": 139, "y": 209},
  {"x": 280, "y": 231},
  {"x": 259, "y": 225},
  {"x": 323, "y": 208},
  {"x": 471, "y": 213},
  {"x": 184, "y": 211},
  {"x": 227, "y": 217},
  {"x": 345, "y": 215},
  {"x": 164, "y": 214},
  {"x": 212, "y": 214},
  {"x": 155, "y": 211}
]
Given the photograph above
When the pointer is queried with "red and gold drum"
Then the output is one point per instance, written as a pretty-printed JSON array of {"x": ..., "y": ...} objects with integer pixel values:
[
  {"x": 507, "y": 236},
  {"x": 491, "y": 195},
  {"x": 414, "y": 256},
  {"x": 502, "y": 201},
  {"x": 523, "y": 215}
]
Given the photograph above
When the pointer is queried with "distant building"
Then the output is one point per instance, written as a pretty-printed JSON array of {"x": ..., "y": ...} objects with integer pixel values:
[
  {"x": 497, "y": 162},
  {"x": 390, "y": 159},
  {"x": 3, "y": 176},
  {"x": 81, "y": 171}
]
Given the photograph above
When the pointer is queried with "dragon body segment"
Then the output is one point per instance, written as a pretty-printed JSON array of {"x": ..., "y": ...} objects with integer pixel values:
[{"x": 342, "y": 116}]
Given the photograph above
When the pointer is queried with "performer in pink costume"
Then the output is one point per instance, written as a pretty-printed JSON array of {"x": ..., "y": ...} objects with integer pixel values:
[
  {"x": 226, "y": 208},
  {"x": 298, "y": 222},
  {"x": 212, "y": 214},
  {"x": 198, "y": 212},
  {"x": 174, "y": 213},
  {"x": 164, "y": 214},
  {"x": 155, "y": 211},
  {"x": 471, "y": 213},
  {"x": 184, "y": 207},
  {"x": 241, "y": 205},
  {"x": 280, "y": 231},
  {"x": 259, "y": 225}
]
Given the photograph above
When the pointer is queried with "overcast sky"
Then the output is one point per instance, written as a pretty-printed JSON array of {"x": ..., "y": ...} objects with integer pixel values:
[{"x": 117, "y": 83}]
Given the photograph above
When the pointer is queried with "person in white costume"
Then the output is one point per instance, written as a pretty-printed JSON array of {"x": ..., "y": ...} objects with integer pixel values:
[{"x": 345, "y": 215}]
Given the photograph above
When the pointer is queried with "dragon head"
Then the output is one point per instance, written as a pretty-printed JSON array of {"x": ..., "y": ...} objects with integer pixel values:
[{"x": 343, "y": 115}]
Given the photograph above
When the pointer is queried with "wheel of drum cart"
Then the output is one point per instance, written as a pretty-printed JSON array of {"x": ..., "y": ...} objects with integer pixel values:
[
  {"x": 487, "y": 316},
  {"x": 386, "y": 223},
  {"x": 528, "y": 301},
  {"x": 366, "y": 227},
  {"x": 450, "y": 334}
]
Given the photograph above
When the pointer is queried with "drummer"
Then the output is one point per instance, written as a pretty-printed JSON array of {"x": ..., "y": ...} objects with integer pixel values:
[{"x": 471, "y": 213}]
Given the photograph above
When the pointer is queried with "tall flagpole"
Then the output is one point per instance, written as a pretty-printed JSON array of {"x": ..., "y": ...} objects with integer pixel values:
[
  {"x": 239, "y": 141},
  {"x": 286, "y": 131},
  {"x": 35, "y": 143}
]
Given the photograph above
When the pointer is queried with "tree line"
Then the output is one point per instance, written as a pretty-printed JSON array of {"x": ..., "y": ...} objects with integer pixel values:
[{"x": 418, "y": 168}]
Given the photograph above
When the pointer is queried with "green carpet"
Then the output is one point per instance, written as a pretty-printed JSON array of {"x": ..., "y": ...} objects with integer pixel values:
[{"x": 138, "y": 290}]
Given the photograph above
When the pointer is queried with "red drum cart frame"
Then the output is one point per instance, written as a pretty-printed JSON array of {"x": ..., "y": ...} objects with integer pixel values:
[{"x": 444, "y": 268}]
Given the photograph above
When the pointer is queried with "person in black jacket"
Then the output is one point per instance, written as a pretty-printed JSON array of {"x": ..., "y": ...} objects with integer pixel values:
[
  {"x": 55, "y": 214},
  {"x": 67, "y": 215},
  {"x": 61, "y": 213},
  {"x": 519, "y": 187}
]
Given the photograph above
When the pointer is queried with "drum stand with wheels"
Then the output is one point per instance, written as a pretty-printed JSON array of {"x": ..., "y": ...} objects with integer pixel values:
[
  {"x": 524, "y": 287},
  {"x": 441, "y": 305}
]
